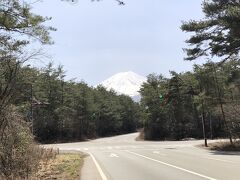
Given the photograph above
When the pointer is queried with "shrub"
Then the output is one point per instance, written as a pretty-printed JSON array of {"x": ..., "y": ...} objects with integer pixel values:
[{"x": 19, "y": 155}]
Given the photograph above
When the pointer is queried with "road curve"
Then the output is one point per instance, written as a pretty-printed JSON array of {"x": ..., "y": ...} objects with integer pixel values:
[{"x": 123, "y": 158}]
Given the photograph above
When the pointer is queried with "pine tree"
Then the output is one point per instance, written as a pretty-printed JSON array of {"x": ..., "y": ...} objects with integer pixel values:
[{"x": 218, "y": 33}]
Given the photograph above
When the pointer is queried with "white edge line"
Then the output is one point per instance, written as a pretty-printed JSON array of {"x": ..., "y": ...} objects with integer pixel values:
[
  {"x": 170, "y": 165},
  {"x": 103, "y": 176}
]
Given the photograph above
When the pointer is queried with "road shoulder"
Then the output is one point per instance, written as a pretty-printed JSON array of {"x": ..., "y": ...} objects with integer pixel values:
[{"x": 89, "y": 170}]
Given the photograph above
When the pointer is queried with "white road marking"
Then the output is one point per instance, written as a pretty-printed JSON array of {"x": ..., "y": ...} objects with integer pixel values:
[
  {"x": 157, "y": 152},
  {"x": 86, "y": 149},
  {"x": 113, "y": 155},
  {"x": 170, "y": 165},
  {"x": 103, "y": 176}
]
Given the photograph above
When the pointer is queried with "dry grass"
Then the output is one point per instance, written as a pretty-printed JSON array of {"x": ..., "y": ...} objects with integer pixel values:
[
  {"x": 63, "y": 166},
  {"x": 224, "y": 146}
]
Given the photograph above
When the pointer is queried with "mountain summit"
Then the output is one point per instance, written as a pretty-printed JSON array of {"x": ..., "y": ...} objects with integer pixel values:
[{"x": 127, "y": 83}]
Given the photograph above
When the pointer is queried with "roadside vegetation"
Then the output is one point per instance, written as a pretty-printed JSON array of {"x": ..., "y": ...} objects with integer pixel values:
[
  {"x": 40, "y": 105},
  {"x": 203, "y": 103},
  {"x": 224, "y": 146},
  {"x": 71, "y": 111},
  {"x": 63, "y": 166},
  {"x": 187, "y": 103},
  {"x": 19, "y": 154}
]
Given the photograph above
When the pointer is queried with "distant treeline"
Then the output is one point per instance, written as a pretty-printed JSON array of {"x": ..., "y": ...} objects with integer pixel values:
[
  {"x": 179, "y": 107},
  {"x": 171, "y": 108},
  {"x": 68, "y": 110}
]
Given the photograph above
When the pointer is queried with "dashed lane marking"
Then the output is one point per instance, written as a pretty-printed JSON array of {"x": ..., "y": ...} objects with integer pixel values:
[
  {"x": 173, "y": 166},
  {"x": 157, "y": 152},
  {"x": 113, "y": 155}
]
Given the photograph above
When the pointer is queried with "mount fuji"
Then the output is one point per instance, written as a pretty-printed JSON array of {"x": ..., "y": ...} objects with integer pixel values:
[{"x": 127, "y": 83}]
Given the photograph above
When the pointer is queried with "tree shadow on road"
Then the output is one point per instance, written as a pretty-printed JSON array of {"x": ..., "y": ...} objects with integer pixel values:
[
  {"x": 235, "y": 153},
  {"x": 224, "y": 148}
]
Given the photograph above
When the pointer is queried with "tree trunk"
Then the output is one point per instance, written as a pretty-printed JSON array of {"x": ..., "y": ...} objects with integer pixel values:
[
  {"x": 210, "y": 122},
  {"x": 204, "y": 127},
  {"x": 221, "y": 105}
]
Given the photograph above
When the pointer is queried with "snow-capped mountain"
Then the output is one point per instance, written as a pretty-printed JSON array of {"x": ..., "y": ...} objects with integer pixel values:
[{"x": 127, "y": 83}]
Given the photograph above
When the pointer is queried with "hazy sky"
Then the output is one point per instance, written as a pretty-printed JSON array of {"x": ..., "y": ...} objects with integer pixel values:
[{"x": 95, "y": 40}]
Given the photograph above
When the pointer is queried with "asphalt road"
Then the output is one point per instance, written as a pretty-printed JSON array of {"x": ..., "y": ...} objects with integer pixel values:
[{"x": 123, "y": 158}]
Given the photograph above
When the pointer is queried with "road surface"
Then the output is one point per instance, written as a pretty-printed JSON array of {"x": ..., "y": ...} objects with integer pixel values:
[{"x": 123, "y": 158}]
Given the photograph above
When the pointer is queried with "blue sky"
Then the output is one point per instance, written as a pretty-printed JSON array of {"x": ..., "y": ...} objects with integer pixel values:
[{"x": 95, "y": 40}]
